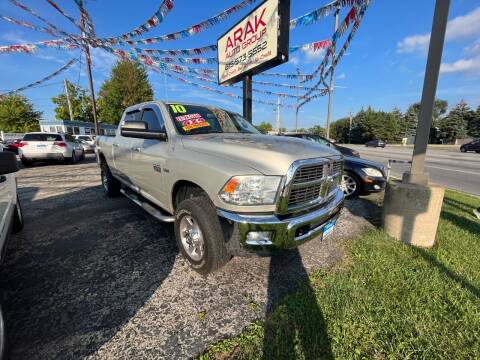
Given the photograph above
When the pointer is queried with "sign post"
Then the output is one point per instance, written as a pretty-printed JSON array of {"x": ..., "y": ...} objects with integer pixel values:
[{"x": 256, "y": 43}]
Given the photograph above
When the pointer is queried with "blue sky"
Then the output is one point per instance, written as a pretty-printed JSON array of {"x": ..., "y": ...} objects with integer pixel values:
[{"x": 383, "y": 68}]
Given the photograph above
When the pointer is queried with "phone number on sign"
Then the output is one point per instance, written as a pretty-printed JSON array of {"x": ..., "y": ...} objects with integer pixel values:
[{"x": 243, "y": 58}]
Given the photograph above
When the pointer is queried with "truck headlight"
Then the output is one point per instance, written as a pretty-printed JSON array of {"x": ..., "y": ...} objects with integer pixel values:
[
  {"x": 251, "y": 190},
  {"x": 372, "y": 172}
]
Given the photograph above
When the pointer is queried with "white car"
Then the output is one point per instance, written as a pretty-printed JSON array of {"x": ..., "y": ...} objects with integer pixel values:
[
  {"x": 40, "y": 146},
  {"x": 88, "y": 138},
  {"x": 87, "y": 147},
  {"x": 11, "y": 217}
]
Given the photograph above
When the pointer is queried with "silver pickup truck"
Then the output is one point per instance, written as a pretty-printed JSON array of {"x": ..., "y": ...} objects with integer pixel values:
[{"x": 228, "y": 189}]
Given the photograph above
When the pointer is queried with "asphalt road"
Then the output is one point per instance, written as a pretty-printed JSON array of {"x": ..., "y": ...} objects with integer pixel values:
[
  {"x": 455, "y": 170},
  {"x": 94, "y": 277}
]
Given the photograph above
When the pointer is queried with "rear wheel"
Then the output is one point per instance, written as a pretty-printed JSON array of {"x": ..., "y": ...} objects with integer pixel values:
[
  {"x": 17, "y": 218},
  {"x": 350, "y": 185},
  {"x": 199, "y": 235},
  {"x": 26, "y": 163},
  {"x": 111, "y": 186}
]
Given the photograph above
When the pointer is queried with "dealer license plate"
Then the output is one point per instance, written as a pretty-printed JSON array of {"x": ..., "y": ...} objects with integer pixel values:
[{"x": 328, "y": 229}]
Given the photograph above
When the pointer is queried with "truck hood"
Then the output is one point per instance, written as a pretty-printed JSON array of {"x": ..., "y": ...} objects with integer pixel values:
[{"x": 270, "y": 155}]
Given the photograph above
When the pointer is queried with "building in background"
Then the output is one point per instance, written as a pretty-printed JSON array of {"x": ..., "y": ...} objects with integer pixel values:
[{"x": 75, "y": 127}]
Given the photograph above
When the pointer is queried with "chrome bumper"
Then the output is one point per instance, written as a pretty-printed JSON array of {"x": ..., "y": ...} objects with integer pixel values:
[{"x": 285, "y": 233}]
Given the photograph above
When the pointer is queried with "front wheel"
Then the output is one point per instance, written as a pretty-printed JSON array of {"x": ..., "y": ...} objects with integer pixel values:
[
  {"x": 462, "y": 149},
  {"x": 199, "y": 235},
  {"x": 111, "y": 186},
  {"x": 350, "y": 185},
  {"x": 26, "y": 163}
]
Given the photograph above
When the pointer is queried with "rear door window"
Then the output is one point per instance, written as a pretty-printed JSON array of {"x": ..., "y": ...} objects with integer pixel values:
[{"x": 42, "y": 137}]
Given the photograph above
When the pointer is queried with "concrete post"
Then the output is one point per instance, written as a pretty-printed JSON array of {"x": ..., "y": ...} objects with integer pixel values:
[{"x": 411, "y": 209}]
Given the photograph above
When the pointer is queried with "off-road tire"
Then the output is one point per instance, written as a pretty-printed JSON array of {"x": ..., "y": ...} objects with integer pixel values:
[
  {"x": 17, "y": 217},
  {"x": 111, "y": 186},
  {"x": 203, "y": 212}
]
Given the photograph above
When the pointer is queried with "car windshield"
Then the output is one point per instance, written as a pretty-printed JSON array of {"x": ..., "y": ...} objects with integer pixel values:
[
  {"x": 195, "y": 119},
  {"x": 42, "y": 137},
  {"x": 318, "y": 140},
  {"x": 84, "y": 138}
]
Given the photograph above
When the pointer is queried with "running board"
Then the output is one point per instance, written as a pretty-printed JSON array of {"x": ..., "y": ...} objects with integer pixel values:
[{"x": 147, "y": 207}]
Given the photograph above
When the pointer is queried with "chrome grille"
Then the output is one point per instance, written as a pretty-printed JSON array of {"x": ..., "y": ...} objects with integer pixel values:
[
  {"x": 308, "y": 174},
  {"x": 312, "y": 183}
]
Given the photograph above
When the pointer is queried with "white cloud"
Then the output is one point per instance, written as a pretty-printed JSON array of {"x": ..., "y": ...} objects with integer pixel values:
[
  {"x": 314, "y": 55},
  {"x": 294, "y": 60},
  {"x": 473, "y": 48},
  {"x": 102, "y": 61},
  {"x": 457, "y": 28},
  {"x": 341, "y": 76},
  {"x": 14, "y": 37},
  {"x": 462, "y": 65}
]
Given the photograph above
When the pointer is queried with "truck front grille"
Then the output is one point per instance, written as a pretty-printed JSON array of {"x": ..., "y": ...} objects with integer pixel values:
[{"x": 312, "y": 183}]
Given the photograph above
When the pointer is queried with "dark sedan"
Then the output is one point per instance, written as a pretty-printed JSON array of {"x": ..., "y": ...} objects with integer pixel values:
[
  {"x": 471, "y": 146},
  {"x": 375, "y": 143},
  {"x": 359, "y": 176}
]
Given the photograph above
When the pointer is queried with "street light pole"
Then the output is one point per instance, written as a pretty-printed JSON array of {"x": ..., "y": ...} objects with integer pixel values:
[
  {"x": 417, "y": 171},
  {"x": 330, "y": 88},
  {"x": 89, "y": 70},
  {"x": 69, "y": 103}
]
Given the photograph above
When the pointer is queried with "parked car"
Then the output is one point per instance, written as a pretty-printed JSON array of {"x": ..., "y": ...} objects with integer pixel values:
[
  {"x": 11, "y": 145},
  {"x": 228, "y": 189},
  {"x": 375, "y": 143},
  {"x": 323, "y": 141},
  {"x": 87, "y": 147},
  {"x": 40, "y": 146},
  {"x": 471, "y": 146},
  {"x": 88, "y": 138},
  {"x": 11, "y": 217},
  {"x": 360, "y": 176}
]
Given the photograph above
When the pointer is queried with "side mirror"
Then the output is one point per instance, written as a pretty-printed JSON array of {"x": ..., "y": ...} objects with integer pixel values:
[
  {"x": 139, "y": 129},
  {"x": 8, "y": 162}
]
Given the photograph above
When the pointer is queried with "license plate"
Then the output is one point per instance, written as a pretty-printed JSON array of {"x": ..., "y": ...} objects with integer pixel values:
[
  {"x": 328, "y": 229},
  {"x": 41, "y": 146}
]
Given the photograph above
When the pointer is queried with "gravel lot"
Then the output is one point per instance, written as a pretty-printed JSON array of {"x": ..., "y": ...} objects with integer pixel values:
[{"x": 100, "y": 278}]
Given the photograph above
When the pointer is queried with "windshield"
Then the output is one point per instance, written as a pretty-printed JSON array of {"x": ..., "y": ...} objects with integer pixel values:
[
  {"x": 317, "y": 139},
  {"x": 194, "y": 119}
]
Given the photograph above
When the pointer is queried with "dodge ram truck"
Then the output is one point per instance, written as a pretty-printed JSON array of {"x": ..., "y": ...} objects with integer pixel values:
[{"x": 228, "y": 189}]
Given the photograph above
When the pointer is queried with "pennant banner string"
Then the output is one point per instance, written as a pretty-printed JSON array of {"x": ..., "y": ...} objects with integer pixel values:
[
  {"x": 192, "y": 30},
  {"x": 57, "y": 31},
  {"x": 46, "y": 78},
  {"x": 70, "y": 18},
  {"x": 28, "y": 25},
  {"x": 323, "y": 75}
]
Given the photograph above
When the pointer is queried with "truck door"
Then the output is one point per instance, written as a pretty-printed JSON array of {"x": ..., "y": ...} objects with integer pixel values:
[
  {"x": 122, "y": 148},
  {"x": 149, "y": 157}
]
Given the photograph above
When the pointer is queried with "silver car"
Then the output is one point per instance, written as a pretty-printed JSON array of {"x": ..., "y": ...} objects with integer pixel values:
[
  {"x": 39, "y": 146},
  {"x": 87, "y": 147},
  {"x": 11, "y": 218}
]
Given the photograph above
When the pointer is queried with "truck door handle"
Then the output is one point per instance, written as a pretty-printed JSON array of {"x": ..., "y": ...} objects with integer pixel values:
[
  {"x": 115, "y": 145},
  {"x": 137, "y": 149}
]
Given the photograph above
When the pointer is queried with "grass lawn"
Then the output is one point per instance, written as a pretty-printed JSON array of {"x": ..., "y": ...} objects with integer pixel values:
[{"x": 384, "y": 300}]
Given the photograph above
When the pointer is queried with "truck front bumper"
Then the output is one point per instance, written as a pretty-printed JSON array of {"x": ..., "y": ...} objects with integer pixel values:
[{"x": 266, "y": 233}]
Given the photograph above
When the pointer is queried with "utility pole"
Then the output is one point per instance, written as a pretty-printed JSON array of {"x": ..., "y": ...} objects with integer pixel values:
[
  {"x": 350, "y": 129},
  {"x": 247, "y": 97},
  {"x": 278, "y": 115},
  {"x": 298, "y": 100},
  {"x": 330, "y": 88},
  {"x": 89, "y": 68},
  {"x": 68, "y": 99}
]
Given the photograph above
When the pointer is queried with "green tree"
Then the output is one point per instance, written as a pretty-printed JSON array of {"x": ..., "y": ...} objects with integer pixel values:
[
  {"x": 454, "y": 125},
  {"x": 407, "y": 124},
  {"x": 372, "y": 124},
  {"x": 17, "y": 114},
  {"x": 473, "y": 124},
  {"x": 128, "y": 85},
  {"x": 81, "y": 104},
  {"x": 264, "y": 127},
  {"x": 440, "y": 108},
  {"x": 317, "y": 130},
  {"x": 339, "y": 130}
]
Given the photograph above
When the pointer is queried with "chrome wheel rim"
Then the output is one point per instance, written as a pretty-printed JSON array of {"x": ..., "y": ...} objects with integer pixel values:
[
  {"x": 348, "y": 185},
  {"x": 192, "y": 238},
  {"x": 104, "y": 181}
]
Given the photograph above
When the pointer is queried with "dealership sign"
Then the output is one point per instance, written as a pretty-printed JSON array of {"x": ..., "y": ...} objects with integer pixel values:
[{"x": 257, "y": 43}]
